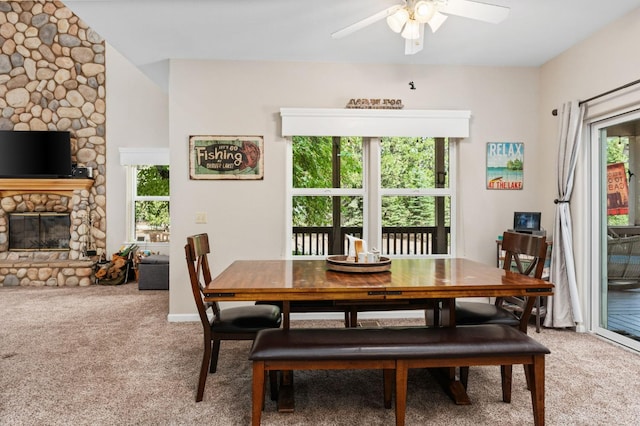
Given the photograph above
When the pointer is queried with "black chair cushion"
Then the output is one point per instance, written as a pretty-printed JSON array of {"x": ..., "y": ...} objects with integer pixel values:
[
  {"x": 247, "y": 318},
  {"x": 484, "y": 313}
]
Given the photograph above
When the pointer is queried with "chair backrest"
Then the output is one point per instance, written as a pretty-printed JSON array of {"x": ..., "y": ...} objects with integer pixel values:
[
  {"x": 196, "y": 252},
  {"x": 527, "y": 253}
]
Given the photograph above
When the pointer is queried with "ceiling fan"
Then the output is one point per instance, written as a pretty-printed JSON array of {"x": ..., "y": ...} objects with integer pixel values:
[{"x": 409, "y": 18}]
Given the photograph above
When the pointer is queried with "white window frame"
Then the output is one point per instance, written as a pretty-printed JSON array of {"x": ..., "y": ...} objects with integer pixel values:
[
  {"x": 132, "y": 158},
  {"x": 372, "y": 125}
]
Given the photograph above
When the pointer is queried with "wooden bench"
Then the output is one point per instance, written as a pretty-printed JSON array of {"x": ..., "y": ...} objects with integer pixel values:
[{"x": 396, "y": 349}]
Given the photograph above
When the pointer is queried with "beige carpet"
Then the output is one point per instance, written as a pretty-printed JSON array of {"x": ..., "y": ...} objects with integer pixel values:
[{"x": 107, "y": 356}]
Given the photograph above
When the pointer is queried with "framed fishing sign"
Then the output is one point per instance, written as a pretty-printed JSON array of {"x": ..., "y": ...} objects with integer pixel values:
[{"x": 226, "y": 157}]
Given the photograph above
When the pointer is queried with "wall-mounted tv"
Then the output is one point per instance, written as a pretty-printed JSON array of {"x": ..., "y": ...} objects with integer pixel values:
[
  {"x": 35, "y": 154},
  {"x": 527, "y": 222}
]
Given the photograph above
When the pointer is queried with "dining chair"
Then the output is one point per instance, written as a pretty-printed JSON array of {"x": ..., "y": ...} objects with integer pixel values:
[
  {"x": 524, "y": 254},
  {"x": 235, "y": 323}
]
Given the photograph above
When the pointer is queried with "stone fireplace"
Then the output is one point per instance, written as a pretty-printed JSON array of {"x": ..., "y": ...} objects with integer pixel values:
[
  {"x": 53, "y": 77},
  {"x": 56, "y": 263}
]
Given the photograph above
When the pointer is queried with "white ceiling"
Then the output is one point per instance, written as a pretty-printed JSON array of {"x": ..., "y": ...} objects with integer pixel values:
[{"x": 149, "y": 32}]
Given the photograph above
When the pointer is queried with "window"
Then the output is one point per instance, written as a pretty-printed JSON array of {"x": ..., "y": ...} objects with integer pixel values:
[
  {"x": 151, "y": 203},
  {"x": 328, "y": 193},
  {"x": 147, "y": 193},
  {"x": 405, "y": 181},
  {"x": 415, "y": 197},
  {"x": 394, "y": 192}
]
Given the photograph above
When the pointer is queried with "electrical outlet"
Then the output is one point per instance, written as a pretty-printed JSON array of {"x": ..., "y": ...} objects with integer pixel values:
[{"x": 201, "y": 217}]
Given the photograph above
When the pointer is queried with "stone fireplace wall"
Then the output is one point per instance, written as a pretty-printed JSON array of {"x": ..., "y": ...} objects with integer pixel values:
[{"x": 52, "y": 77}]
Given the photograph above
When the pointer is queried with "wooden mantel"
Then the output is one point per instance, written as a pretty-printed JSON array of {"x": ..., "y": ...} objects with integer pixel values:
[{"x": 10, "y": 187}]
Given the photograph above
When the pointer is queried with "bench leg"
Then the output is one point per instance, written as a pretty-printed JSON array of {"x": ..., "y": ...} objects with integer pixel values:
[
  {"x": 536, "y": 372},
  {"x": 527, "y": 376},
  {"x": 257, "y": 390},
  {"x": 506, "y": 373},
  {"x": 401, "y": 391}
]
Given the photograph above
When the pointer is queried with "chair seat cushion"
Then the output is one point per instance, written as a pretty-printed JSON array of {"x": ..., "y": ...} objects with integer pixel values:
[
  {"x": 484, "y": 313},
  {"x": 247, "y": 318}
]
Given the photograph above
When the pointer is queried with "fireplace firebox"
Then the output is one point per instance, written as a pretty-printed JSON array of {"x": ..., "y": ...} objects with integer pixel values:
[{"x": 39, "y": 231}]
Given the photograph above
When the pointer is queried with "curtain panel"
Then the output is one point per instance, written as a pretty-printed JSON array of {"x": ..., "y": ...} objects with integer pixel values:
[{"x": 563, "y": 309}]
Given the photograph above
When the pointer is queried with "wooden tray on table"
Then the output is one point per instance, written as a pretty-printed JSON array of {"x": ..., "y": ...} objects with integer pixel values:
[{"x": 340, "y": 264}]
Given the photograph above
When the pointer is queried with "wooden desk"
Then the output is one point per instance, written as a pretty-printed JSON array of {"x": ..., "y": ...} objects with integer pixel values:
[{"x": 442, "y": 279}]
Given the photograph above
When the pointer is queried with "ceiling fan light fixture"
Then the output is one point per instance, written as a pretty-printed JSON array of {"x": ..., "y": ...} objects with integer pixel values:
[
  {"x": 397, "y": 20},
  {"x": 411, "y": 30},
  {"x": 437, "y": 20},
  {"x": 424, "y": 10}
]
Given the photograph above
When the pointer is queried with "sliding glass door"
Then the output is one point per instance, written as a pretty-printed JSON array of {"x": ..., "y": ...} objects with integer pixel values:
[{"x": 616, "y": 301}]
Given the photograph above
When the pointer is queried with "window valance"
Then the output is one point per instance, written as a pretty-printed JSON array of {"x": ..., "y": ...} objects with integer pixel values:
[{"x": 374, "y": 122}]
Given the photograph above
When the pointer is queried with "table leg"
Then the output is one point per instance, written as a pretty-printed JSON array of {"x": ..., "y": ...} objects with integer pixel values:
[
  {"x": 448, "y": 312},
  {"x": 451, "y": 384},
  {"x": 286, "y": 400},
  {"x": 432, "y": 314},
  {"x": 447, "y": 377},
  {"x": 286, "y": 313}
]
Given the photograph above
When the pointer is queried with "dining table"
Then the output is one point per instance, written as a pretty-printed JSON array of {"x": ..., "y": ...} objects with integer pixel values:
[{"x": 442, "y": 280}]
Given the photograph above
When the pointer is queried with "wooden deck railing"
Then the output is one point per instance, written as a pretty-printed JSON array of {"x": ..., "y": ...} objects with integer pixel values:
[{"x": 409, "y": 240}]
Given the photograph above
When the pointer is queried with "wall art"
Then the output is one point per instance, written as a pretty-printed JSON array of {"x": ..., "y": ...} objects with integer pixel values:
[
  {"x": 226, "y": 157},
  {"x": 505, "y": 165}
]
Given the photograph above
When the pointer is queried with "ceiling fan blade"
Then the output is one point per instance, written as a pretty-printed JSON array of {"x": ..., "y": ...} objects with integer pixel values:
[
  {"x": 411, "y": 47},
  {"x": 366, "y": 21},
  {"x": 474, "y": 10}
]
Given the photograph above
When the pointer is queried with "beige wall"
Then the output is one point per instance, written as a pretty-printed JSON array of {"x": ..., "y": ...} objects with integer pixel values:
[
  {"x": 138, "y": 115},
  {"x": 603, "y": 62},
  {"x": 246, "y": 218}
]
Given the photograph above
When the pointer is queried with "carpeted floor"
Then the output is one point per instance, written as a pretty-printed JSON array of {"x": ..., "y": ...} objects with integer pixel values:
[{"x": 107, "y": 355}]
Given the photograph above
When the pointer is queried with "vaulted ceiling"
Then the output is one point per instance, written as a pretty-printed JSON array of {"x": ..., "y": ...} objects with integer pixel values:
[{"x": 149, "y": 32}]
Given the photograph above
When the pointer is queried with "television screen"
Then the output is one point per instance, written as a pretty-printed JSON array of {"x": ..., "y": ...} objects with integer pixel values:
[
  {"x": 35, "y": 154},
  {"x": 526, "y": 221}
]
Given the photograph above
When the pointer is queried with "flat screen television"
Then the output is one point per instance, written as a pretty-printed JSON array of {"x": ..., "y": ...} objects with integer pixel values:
[
  {"x": 35, "y": 154},
  {"x": 527, "y": 222}
]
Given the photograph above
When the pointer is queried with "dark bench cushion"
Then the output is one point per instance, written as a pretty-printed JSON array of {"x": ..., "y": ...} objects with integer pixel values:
[{"x": 392, "y": 343}]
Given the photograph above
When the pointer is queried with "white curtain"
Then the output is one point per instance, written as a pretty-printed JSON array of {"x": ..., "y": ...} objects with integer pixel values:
[{"x": 563, "y": 309}]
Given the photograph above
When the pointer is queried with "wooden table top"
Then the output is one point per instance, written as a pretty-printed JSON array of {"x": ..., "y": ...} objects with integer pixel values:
[{"x": 278, "y": 280}]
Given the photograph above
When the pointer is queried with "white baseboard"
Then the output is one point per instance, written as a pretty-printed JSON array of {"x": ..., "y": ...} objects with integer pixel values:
[
  {"x": 183, "y": 318},
  {"x": 318, "y": 316}
]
